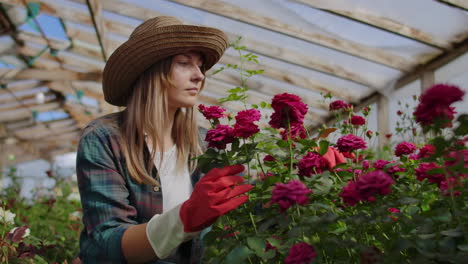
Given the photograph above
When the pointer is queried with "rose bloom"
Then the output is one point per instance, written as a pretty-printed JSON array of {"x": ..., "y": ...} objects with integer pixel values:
[
  {"x": 245, "y": 126},
  {"x": 365, "y": 164},
  {"x": 394, "y": 169},
  {"x": 350, "y": 142},
  {"x": 288, "y": 194},
  {"x": 424, "y": 167},
  {"x": 350, "y": 194},
  {"x": 358, "y": 120},
  {"x": 404, "y": 148},
  {"x": 301, "y": 253},
  {"x": 379, "y": 164},
  {"x": 372, "y": 183},
  {"x": 393, "y": 210},
  {"x": 297, "y": 131},
  {"x": 434, "y": 104},
  {"x": 220, "y": 136},
  {"x": 212, "y": 112},
  {"x": 269, "y": 158},
  {"x": 311, "y": 163},
  {"x": 339, "y": 104},
  {"x": 426, "y": 151},
  {"x": 369, "y": 133},
  {"x": 288, "y": 107}
]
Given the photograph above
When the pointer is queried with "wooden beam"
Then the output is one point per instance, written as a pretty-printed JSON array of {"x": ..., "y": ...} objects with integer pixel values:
[
  {"x": 16, "y": 86},
  {"x": 284, "y": 75},
  {"x": 232, "y": 11},
  {"x": 463, "y": 4},
  {"x": 267, "y": 89},
  {"x": 22, "y": 113},
  {"x": 48, "y": 75},
  {"x": 385, "y": 23},
  {"x": 383, "y": 125},
  {"x": 26, "y": 102},
  {"x": 254, "y": 45},
  {"x": 427, "y": 80},
  {"x": 441, "y": 60},
  {"x": 64, "y": 58},
  {"x": 95, "y": 10}
]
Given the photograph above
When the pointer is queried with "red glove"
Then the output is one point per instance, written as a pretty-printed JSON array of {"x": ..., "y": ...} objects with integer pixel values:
[
  {"x": 213, "y": 196},
  {"x": 333, "y": 157}
]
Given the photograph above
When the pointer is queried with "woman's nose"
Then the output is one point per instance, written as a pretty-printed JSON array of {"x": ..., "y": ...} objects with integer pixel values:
[{"x": 198, "y": 75}]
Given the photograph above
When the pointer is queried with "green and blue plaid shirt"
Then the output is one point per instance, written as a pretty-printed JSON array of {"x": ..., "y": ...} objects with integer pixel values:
[{"x": 112, "y": 201}]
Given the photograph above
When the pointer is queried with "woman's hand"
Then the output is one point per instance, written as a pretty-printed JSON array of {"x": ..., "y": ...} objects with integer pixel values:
[{"x": 218, "y": 192}]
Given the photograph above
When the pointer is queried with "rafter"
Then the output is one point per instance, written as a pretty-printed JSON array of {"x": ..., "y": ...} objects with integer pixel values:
[
  {"x": 48, "y": 75},
  {"x": 385, "y": 23},
  {"x": 254, "y": 45},
  {"x": 232, "y": 11},
  {"x": 95, "y": 10}
]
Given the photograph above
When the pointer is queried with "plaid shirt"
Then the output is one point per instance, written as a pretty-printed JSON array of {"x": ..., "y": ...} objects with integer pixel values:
[{"x": 112, "y": 201}]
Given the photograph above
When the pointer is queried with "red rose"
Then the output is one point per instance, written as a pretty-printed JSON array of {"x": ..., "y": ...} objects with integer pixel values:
[
  {"x": 339, "y": 104},
  {"x": 311, "y": 163},
  {"x": 212, "y": 112},
  {"x": 379, "y": 164},
  {"x": 350, "y": 194},
  {"x": 220, "y": 136},
  {"x": 404, "y": 148},
  {"x": 426, "y": 151},
  {"x": 269, "y": 158},
  {"x": 434, "y": 104},
  {"x": 358, "y": 120},
  {"x": 372, "y": 183},
  {"x": 296, "y": 131},
  {"x": 300, "y": 253},
  {"x": 245, "y": 126},
  {"x": 293, "y": 192},
  {"x": 421, "y": 173},
  {"x": 288, "y": 107},
  {"x": 393, "y": 210},
  {"x": 350, "y": 142}
]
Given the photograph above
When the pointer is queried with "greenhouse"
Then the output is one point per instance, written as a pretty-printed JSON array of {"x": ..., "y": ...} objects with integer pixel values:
[{"x": 277, "y": 131}]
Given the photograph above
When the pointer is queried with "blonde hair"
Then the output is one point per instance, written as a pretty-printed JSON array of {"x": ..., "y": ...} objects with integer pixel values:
[{"x": 147, "y": 112}]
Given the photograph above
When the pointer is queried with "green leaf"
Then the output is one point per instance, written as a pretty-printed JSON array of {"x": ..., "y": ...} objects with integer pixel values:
[
  {"x": 323, "y": 147},
  {"x": 463, "y": 247},
  {"x": 238, "y": 254},
  {"x": 256, "y": 244},
  {"x": 462, "y": 129},
  {"x": 457, "y": 232}
]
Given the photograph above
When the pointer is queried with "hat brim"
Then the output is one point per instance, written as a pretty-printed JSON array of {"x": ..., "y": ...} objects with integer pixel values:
[{"x": 137, "y": 54}]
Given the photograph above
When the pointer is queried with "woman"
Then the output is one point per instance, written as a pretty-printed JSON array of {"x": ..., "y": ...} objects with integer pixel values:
[{"x": 135, "y": 173}]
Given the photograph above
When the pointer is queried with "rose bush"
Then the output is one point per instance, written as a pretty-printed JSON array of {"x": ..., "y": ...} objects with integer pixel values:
[
  {"x": 42, "y": 230},
  {"x": 407, "y": 207}
]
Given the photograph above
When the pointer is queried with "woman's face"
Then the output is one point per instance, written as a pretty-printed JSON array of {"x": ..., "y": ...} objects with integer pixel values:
[{"x": 187, "y": 78}]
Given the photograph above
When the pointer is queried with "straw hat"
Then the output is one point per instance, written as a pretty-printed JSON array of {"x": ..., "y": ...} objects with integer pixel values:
[{"x": 153, "y": 40}]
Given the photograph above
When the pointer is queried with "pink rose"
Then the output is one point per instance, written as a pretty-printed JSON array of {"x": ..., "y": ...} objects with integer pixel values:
[
  {"x": 245, "y": 126},
  {"x": 288, "y": 194},
  {"x": 288, "y": 107},
  {"x": 404, "y": 148},
  {"x": 311, "y": 163},
  {"x": 220, "y": 136},
  {"x": 301, "y": 253},
  {"x": 358, "y": 120},
  {"x": 339, "y": 104},
  {"x": 393, "y": 210},
  {"x": 212, "y": 112},
  {"x": 350, "y": 142},
  {"x": 365, "y": 165},
  {"x": 434, "y": 104}
]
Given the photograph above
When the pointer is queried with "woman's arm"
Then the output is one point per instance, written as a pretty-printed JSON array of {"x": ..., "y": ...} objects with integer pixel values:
[{"x": 135, "y": 245}]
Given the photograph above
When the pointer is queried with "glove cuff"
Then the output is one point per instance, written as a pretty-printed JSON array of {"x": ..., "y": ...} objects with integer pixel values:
[{"x": 165, "y": 232}]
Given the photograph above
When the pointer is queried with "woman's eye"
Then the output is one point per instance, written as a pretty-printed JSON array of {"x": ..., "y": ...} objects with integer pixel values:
[{"x": 183, "y": 62}]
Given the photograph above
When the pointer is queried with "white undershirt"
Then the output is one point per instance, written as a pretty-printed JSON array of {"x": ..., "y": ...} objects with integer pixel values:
[{"x": 175, "y": 184}]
